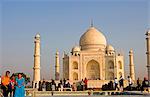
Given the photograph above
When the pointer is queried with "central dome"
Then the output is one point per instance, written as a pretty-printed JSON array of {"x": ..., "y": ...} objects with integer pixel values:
[{"x": 92, "y": 39}]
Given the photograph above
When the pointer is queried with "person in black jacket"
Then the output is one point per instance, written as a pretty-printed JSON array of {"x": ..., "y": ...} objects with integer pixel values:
[
  {"x": 121, "y": 83},
  {"x": 145, "y": 84},
  {"x": 138, "y": 84},
  {"x": 40, "y": 86}
]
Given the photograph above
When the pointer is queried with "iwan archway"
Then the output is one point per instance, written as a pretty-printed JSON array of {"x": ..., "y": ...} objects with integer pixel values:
[{"x": 93, "y": 70}]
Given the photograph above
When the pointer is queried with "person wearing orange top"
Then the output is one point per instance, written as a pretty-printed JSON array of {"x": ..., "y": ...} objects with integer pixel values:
[{"x": 6, "y": 84}]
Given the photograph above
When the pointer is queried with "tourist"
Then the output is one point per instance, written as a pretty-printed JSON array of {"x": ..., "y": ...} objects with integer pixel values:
[
  {"x": 74, "y": 87},
  {"x": 121, "y": 83},
  {"x": 116, "y": 84},
  {"x": 68, "y": 84},
  {"x": 85, "y": 83},
  {"x": 82, "y": 85},
  {"x": 0, "y": 81},
  {"x": 20, "y": 86},
  {"x": 53, "y": 85},
  {"x": 129, "y": 83},
  {"x": 145, "y": 84},
  {"x": 110, "y": 85},
  {"x": 1, "y": 95},
  {"x": 48, "y": 86},
  {"x": 40, "y": 86},
  {"x": 6, "y": 84},
  {"x": 43, "y": 86},
  {"x": 12, "y": 90},
  {"x": 64, "y": 82},
  {"x": 138, "y": 84},
  {"x": 60, "y": 86}
]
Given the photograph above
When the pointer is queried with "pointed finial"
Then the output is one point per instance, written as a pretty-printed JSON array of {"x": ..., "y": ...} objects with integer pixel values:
[
  {"x": 131, "y": 50},
  {"x": 148, "y": 32},
  {"x": 57, "y": 53},
  {"x": 91, "y": 22}
]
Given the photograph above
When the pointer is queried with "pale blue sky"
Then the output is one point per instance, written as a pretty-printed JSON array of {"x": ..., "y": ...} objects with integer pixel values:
[{"x": 62, "y": 22}]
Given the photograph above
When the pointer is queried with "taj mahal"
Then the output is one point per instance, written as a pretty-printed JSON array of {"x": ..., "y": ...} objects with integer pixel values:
[{"x": 93, "y": 59}]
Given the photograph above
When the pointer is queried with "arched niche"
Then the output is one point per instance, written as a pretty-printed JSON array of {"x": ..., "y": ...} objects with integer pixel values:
[
  {"x": 120, "y": 64},
  {"x": 75, "y": 76},
  {"x": 75, "y": 65},
  {"x": 110, "y": 65},
  {"x": 93, "y": 70}
]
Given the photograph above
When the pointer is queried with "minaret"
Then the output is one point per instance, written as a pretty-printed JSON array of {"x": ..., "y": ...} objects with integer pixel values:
[
  {"x": 131, "y": 65},
  {"x": 148, "y": 52},
  {"x": 36, "y": 68},
  {"x": 57, "y": 66}
]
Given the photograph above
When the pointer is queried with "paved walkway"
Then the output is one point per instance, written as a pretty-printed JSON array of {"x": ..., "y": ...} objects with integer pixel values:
[{"x": 93, "y": 94}]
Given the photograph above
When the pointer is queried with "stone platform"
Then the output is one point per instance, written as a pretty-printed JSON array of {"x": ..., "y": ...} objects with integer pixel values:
[{"x": 35, "y": 93}]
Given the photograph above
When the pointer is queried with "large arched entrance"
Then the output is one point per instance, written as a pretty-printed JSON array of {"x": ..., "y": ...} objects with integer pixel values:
[{"x": 93, "y": 70}]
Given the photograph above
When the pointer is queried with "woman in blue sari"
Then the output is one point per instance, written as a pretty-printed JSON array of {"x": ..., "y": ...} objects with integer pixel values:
[{"x": 20, "y": 82}]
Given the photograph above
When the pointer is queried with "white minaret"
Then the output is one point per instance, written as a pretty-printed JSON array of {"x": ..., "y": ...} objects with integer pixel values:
[
  {"x": 36, "y": 68},
  {"x": 57, "y": 66},
  {"x": 148, "y": 52},
  {"x": 131, "y": 65}
]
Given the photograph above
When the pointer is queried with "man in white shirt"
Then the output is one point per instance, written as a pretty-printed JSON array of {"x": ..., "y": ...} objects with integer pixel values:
[
  {"x": 129, "y": 82},
  {"x": 116, "y": 84}
]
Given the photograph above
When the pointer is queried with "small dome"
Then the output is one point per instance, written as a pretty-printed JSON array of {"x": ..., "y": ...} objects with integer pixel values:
[
  {"x": 110, "y": 48},
  {"x": 148, "y": 32},
  {"x": 76, "y": 49},
  {"x": 37, "y": 36},
  {"x": 57, "y": 53},
  {"x": 92, "y": 38}
]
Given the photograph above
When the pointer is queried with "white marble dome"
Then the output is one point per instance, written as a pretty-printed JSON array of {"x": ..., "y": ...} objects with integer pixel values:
[
  {"x": 76, "y": 49},
  {"x": 110, "y": 48},
  {"x": 92, "y": 39}
]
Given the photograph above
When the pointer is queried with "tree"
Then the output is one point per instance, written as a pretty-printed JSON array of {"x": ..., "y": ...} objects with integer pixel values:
[{"x": 27, "y": 78}]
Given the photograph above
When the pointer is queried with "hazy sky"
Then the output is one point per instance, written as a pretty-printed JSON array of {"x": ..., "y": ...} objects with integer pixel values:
[{"x": 62, "y": 22}]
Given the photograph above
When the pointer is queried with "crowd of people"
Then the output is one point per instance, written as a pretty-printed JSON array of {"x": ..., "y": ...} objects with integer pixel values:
[
  {"x": 15, "y": 86},
  {"x": 118, "y": 85},
  {"x": 11, "y": 85},
  {"x": 139, "y": 86},
  {"x": 62, "y": 85}
]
